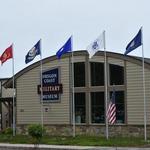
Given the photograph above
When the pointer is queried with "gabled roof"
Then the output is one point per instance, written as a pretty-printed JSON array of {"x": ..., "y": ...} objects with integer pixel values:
[{"x": 137, "y": 60}]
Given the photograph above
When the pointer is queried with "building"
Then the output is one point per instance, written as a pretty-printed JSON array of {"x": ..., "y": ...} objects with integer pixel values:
[
  {"x": 6, "y": 106},
  {"x": 124, "y": 74}
]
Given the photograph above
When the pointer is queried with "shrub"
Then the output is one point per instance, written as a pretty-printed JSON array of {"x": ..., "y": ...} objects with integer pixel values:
[
  {"x": 36, "y": 132},
  {"x": 8, "y": 131}
]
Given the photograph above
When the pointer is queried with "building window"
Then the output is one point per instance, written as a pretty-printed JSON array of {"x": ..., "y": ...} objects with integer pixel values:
[
  {"x": 80, "y": 107},
  {"x": 97, "y": 107},
  {"x": 79, "y": 74},
  {"x": 116, "y": 74},
  {"x": 97, "y": 74},
  {"x": 120, "y": 106}
]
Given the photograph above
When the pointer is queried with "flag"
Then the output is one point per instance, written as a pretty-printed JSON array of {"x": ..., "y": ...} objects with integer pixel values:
[
  {"x": 7, "y": 54},
  {"x": 111, "y": 111},
  {"x": 33, "y": 52},
  {"x": 67, "y": 47},
  {"x": 136, "y": 42},
  {"x": 96, "y": 45}
]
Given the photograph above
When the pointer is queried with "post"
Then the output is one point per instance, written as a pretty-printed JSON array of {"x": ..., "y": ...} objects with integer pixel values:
[
  {"x": 143, "y": 70},
  {"x": 73, "y": 101},
  {"x": 14, "y": 114},
  {"x": 105, "y": 75},
  {"x": 41, "y": 69}
]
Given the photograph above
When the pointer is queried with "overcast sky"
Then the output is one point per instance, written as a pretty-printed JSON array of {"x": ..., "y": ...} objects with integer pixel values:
[{"x": 24, "y": 22}]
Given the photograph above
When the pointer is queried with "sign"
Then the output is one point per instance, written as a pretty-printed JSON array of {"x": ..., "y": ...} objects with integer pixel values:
[
  {"x": 50, "y": 77},
  {"x": 51, "y": 87}
]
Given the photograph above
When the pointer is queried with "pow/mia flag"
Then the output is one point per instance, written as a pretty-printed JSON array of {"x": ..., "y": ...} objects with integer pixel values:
[
  {"x": 96, "y": 45},
  {"x": 33, "y": 52}
]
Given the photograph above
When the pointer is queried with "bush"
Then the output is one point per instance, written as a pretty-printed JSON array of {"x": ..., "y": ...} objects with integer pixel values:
[
  {"x": 36, "y": 132},
  {"x": 8, "y": 131}
]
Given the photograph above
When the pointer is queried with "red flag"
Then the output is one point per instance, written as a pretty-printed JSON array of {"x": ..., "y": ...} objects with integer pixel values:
[{"x": 7, "y": 54}]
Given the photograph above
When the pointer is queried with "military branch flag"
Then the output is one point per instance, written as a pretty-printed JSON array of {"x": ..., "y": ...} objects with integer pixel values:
[
  {"x": 33, "y": 52},
  {"x": 96, "y": 45},
  {"x": 136, "y": 42},
  {"x": 111, "y": 112},
  {"x": 67, "y": 47},
  {"x": 7, "y": 54}
]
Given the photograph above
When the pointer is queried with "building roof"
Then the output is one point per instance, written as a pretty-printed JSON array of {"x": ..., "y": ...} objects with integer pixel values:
[{"x": 137, "y": 60}]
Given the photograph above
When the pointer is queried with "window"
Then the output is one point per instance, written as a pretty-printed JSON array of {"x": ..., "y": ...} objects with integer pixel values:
[
  {"x": 120, "y": 108},
  {"x": 80, "y": 107},
  {"x": 116, "y": 74},
  {"x": 97, "y": 74},
  {"x": 79, "y": 74},
  {"x": 97, "y": 107}
]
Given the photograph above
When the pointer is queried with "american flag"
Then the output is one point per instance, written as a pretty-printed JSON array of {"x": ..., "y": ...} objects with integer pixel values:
[{"x": 111, "y": 111}]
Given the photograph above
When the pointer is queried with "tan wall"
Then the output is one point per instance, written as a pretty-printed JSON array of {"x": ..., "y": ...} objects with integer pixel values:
[
  {"x": 135, "y": 102},
  {"x": 28, "y": 101},
  {"x": 7, "y": 92}
]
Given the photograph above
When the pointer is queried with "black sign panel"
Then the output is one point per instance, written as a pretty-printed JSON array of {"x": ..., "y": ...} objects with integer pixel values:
[
  {"x": 50, "y": 77},
  {"x": 51, "y": 87}
]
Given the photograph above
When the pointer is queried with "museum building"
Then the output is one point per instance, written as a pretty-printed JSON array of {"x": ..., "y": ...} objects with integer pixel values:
[{"x": 124, "y": 74}]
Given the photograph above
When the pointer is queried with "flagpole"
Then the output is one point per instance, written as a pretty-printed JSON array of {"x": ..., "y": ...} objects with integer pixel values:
[
  {"x": 105, "y": 74},
  {"x": 14, "y": 118},
  {"x": 143, "y": 69},
  {"x": 41, "y": 69},
  {"x": 73, "y": 101}
]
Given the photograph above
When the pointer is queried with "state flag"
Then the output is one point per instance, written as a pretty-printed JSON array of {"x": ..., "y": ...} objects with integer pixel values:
[{"x": 135, "y": 42}]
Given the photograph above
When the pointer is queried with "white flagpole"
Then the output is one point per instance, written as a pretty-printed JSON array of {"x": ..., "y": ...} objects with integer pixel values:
[
  {"x": 41, "y": 86},
  {"x": 105, "y": 75},
  {"x": 143, "y": 69},
  {"x": 73, "y": 101},
  {"x": 14, "y": 114}
]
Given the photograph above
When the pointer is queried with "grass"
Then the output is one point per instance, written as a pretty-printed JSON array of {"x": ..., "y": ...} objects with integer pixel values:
[{"x": 78, "y": 140}]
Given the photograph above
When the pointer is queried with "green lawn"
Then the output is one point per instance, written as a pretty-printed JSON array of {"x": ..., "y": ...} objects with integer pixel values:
[{"x": 78, "y": 140}]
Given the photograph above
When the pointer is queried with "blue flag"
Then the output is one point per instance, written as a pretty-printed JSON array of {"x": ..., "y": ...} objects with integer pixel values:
[
  {"x": 33, "y": 52},
  {"x": 136, "y": 42},
  {"x": 67, "y": 47}
]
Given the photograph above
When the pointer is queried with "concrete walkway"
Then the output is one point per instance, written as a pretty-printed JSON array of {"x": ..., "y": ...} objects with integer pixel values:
[{"x": 60, "y": 147}]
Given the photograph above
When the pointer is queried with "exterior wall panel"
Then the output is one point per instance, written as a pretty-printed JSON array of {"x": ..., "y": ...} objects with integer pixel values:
[
  {"x": 28, "y": 101},
  {"x": 115, "y": 61},
  {"x": 135, "y": 101}
]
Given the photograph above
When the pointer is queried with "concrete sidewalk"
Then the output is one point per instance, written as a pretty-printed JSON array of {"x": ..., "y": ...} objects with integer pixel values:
[{"x": 4, "y": 146}]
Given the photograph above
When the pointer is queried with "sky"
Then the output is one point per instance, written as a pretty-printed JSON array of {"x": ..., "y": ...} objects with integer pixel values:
[{"x": 24, "y": 22}]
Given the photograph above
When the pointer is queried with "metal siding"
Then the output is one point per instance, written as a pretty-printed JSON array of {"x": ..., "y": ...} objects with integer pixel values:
[
  {"x": 135, "y": 102},
  {"x": 97, "y": 59},
  {"x": 115, "y": 61},
  {"x": 29, "y": 101}
]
